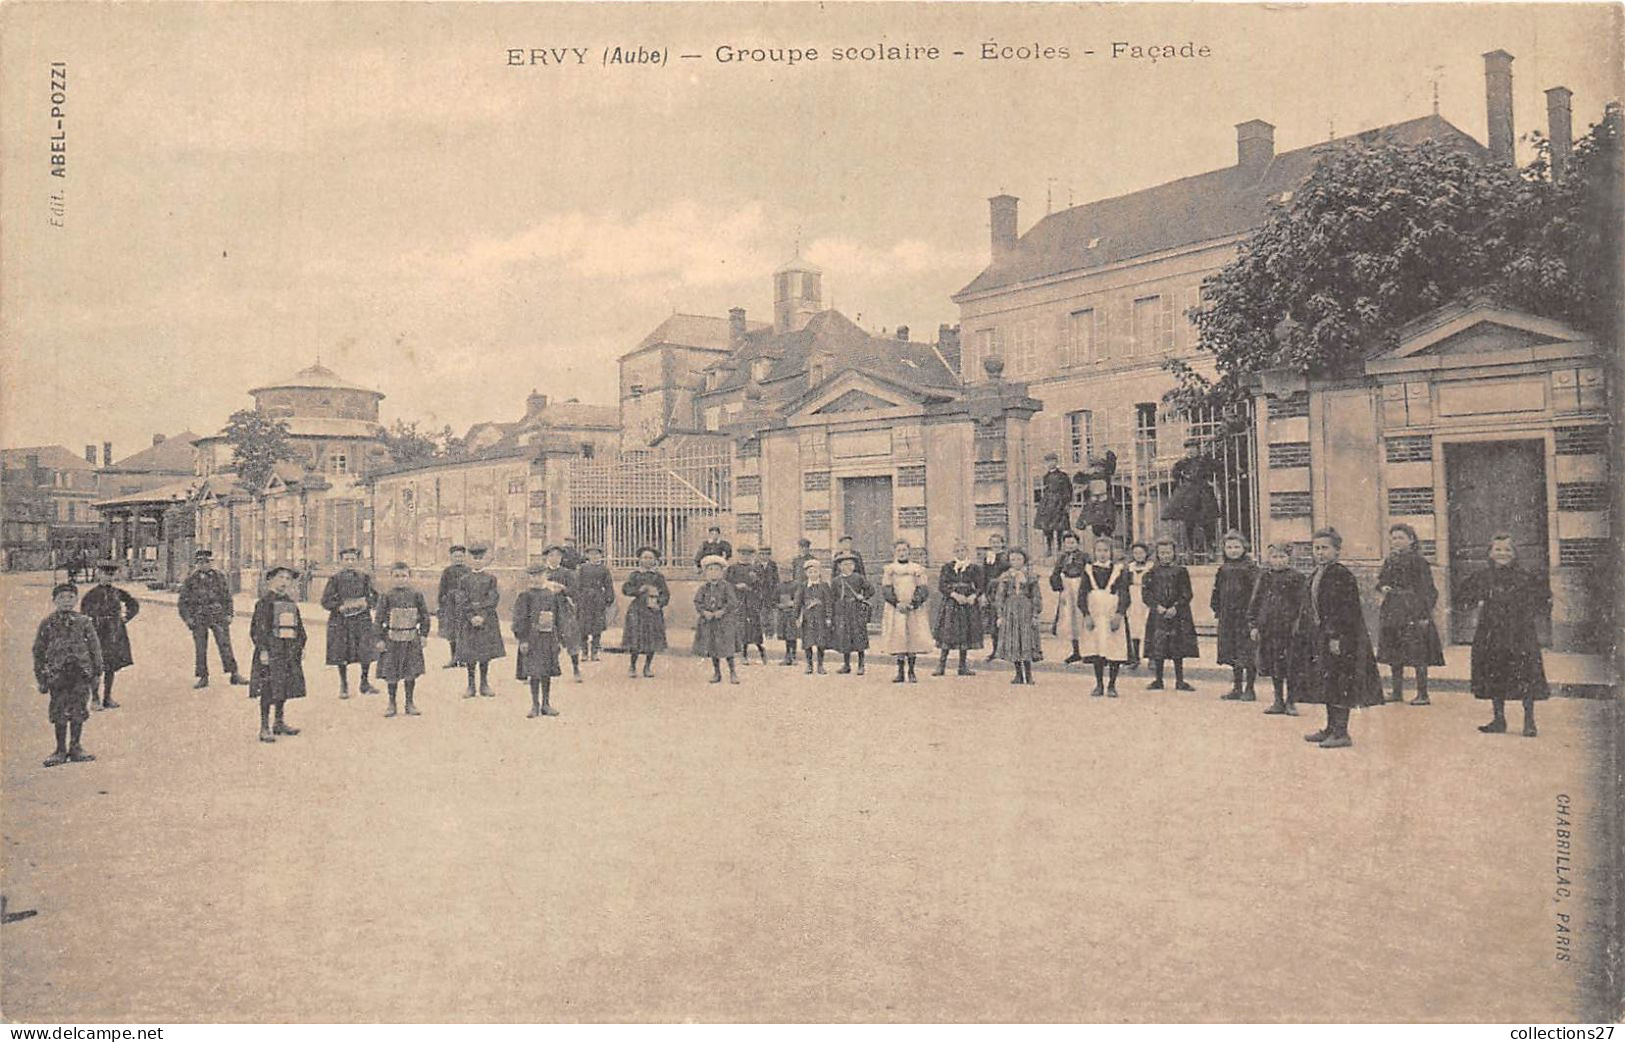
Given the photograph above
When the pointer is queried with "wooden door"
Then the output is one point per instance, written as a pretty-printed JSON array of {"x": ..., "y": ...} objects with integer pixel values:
[
  {"x": 1491, "y": 487},
  {"x": 866, "y": 516}
]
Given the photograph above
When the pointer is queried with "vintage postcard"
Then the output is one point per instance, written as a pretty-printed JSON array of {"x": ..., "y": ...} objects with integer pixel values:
[{"x": 780, "y": 512}]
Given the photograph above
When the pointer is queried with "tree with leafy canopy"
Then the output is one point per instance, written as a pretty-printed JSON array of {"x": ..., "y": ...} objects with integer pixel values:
[
  {"x": 1382, "y": 233},
  {"x": 258, "y": 443},
  {"x": 406, "y": 443}
]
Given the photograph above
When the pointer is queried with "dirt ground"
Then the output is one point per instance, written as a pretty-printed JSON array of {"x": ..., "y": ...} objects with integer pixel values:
[{"x": 796, "y": 848}]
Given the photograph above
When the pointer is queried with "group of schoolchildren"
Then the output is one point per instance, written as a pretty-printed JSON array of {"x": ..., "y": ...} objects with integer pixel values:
[{"x": 1305, "y": 632}]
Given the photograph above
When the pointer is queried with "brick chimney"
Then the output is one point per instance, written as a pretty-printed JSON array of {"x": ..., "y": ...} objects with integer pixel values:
[
  {"x": 1559, "y": 128},
  {"x": 157, "y": 439},
  {"x": 1498, "y": 102},
  {"x": 902, "y": 333},
  {"x": 1255, "y": 144},
  {"x": 90, "y": 455},
  {"x": 1002, "y": 214},
  {"x": 736, "y": 326},
  {"x": 535, "y": 403},
  {"x": 107, "y": 454}
]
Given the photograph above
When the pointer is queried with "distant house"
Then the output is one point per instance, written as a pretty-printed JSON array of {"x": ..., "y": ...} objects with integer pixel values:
[
  {"x": 596, "y": 428},
  {"x": 658, "y": 377},
  {"x": 47, "y": 492}
]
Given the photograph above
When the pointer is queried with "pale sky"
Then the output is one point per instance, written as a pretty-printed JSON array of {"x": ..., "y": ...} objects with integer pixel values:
[{"x": 249, "y": 186}]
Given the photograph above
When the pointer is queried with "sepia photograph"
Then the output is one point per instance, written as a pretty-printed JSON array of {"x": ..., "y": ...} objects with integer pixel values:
[{"x": 799, "y": 513}]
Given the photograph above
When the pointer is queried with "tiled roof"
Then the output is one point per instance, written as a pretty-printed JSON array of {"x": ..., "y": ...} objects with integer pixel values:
[
  {"x": 318, "y": 377},
  {"x": 175, "y": 492},
  {"x": 845, "y": 344},
  {"x": 54, "y": 457},
  {"x": 1203, "y": 208},
  {"x": 703, "y": 331},
  {"x": 172, "y": 454}
]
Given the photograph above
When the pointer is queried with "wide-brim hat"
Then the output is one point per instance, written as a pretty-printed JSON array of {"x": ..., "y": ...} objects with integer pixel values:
[
  {"x": 400, "y": 566},
  {"x": 281, "y": 569},
  {"x": 648, "y": 550},
  {"x": 810, "y": 563},
  {"x": 844, "y": 557},
  {"x": 713, "y": 559},
  {"x": 551, "y": 548}
]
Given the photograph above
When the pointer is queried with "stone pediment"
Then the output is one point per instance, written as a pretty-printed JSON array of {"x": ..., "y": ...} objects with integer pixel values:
[
  {"x": 856, "y": 401},
  {"x": 1480, "y": 333}
]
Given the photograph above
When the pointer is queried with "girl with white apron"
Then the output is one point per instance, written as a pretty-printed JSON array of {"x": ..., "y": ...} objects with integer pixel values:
[
  {"x": 905, "y": 630},
  {"x": 1105, "y": 599},
  {"x": 1138, "y": 614}
]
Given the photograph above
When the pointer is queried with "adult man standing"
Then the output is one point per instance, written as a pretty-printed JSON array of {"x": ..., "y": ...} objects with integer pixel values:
[
  {"x": 447, "y": 603},
  {"x": 205, "y": 607},
  {"x": 1054, "y": 504}
]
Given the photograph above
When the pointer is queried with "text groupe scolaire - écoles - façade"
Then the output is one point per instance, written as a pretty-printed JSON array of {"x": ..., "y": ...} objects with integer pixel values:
[{"x": 740, "y": 54}]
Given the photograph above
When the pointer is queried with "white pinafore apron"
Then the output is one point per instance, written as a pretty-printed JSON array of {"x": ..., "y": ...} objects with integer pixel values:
[
  {"x": 1071, "y": 618},
  {"x": 1104, "y": 642},
  {"x": 1138, "y": 613}
]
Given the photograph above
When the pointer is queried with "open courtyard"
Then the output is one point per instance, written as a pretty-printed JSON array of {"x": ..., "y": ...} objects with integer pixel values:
[{"x": 794, "y": 848}]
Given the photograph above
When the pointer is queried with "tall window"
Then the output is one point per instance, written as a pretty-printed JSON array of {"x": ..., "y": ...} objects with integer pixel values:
[
  {"x": 1024, "y": 348},
  {"x": 1153, "y": 325},
  {"x": 1080, "y": 338},
  {"x": 1080, "y": 430},
  {"x": 1145, "y": 428},
  {"x": 713, "y": 417}
]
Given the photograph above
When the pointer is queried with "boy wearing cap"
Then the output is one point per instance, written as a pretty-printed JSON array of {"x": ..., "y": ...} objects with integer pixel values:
[
  {"x": 67, "y": 664},
  {"x": 110, "y": 608},
  {"x": 714, "y": 546},
  {"x": 536, "y": 627},
  {"x": 716, "y": 631},
  {"x": 569, "y": 619},
  {"x": 595, "y": 594},
  {"x": 572, "y": 558},
  {"x": 745, "y": 580},
  {"x": 278, "y": 670},
  {"x": 785, "y": 612},
  {"x": 480, "y": 639},
  {"x": 446, "y": 602},
  {"x": 815, "y": 603},
  {"x": 645, "y": 622},
  {"x": 402, "y": 624},
  {"x": 798, "y": 563},
  {"x": 349, "y": 598},
  {"x": 843, "y": 545},
  {"x": 205, "y": 607}
]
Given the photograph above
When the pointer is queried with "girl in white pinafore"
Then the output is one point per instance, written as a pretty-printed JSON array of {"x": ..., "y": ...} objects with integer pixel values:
[
  {"x": 1104, "y": 600},
  {"x": 1138, "y": 564},
  {"x": 905, "y": 629}
]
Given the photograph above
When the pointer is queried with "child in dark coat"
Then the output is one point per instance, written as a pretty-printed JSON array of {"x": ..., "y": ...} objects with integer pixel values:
[
  {"x": 67, "y": 665},
  {"x": 815, "y": 603},
  {"x": 110, "y": 609},
  {"x": 1232, "y": 592},
  {"x": 1506, "y": 662},
  {"x": 595, "y": 595},
  {"x": 716, "y": 629},
  {"x": 536, "y": 620},
  {"x": 349, "y": 599},
  {"x": 278, "y": 633},
  {"x": 789, "y": 629},
  {"x": 959, "y": 613},
  {"x": 1170, "y": 631},
  {"x": 743, "y": 577},
  {"x": 854, "y": 596},
  {"x": 1332, "y": 662},
  {"x": 480, "y": 638},
  {"x": 401, "y": 626},
  {"x": 644, "y": 624},
  {"x": 1406, "y": 635},
  {"x": 1272, "y": 614}
]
